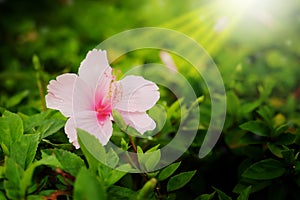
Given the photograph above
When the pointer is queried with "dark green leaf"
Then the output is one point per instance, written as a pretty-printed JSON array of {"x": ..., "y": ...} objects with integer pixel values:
[
  {"x": 249, "y": 138},
  {"x": 266, "y": 113},
  {"x": 276, "y": 149},
  {"x": 256, "y": 127},
  {"x": 281, "y": 129},
  {"x": 116, "y": 193},
  {"x": 288, "y": 156},
  {"x": 178, "y": 181},
  {"x": 206, "y": 196},
  {"x": 264, "y": 170},
  {"x": 168, "y": 171},
  {"x": 257, "y": 185},
  {"x": 285, "y": 139},
  {"x": 88, "y": 187},
  {"x": 297, "y": 166},
  {"x": 245, "y": 193},
  {"x": 222, "y": 195}
]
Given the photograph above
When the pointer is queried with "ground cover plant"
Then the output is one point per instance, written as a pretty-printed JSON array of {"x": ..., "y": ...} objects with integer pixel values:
[{"x": 255, "y": 47}]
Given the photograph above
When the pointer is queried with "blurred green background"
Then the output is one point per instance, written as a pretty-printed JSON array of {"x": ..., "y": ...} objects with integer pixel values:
[{"x": 261, "y": 37}]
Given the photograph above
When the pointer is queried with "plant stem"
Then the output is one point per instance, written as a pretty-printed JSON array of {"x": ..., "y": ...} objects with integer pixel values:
[
  {"x": 132, "y": 143},
  {"x": 37, "y": 67}
]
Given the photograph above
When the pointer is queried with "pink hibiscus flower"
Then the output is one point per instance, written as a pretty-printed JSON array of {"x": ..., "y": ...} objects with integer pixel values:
[{"x": 89, "y": 98}]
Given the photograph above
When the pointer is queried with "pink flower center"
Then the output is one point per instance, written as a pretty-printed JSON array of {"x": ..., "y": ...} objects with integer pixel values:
[{"x": 104, "y": 110}]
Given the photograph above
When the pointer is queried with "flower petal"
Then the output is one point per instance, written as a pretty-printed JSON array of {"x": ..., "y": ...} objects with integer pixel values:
[
  {"x": 96, "y": 73},
  {"x": 70, "y": 130},
  {"x": 93, "y": 66},
  {"x": 60, "y": 94},
  {"x": 88, "y": 121},
  {"x": 139, "y": 120},
  {"x": 83, "y": 97},
  {"x": 135, "y": 94}
]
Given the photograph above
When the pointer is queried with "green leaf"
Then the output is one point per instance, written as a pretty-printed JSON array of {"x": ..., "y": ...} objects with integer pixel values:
[
  {"x": 159, "y": 115},
  {"x": 87, "y": 186},
  {"x": 33, "y": 121},
  {"x": 276, "y": 149},
  {"x": 23, "y": 151},
  {"x": 152, "y": 149},
  {"x": 264, "y": 170},
  {"x": 248, "y": 107},
  {"x": 27, "y": 177},
  {"x": 285, "y": 139},
  {"x": 111, "y": 176},
  {"x": 234, "y": 102},
  {"x": 91, "y": 148},
  {"x": 257, "y": 185},
  {"x": 116, "y": 193},
  {"x": 149, "y": 159},
  {"x": 11, "y": 129},
  {"x": 266, "y": 113},
  {"x": 168, "y": 171},
  {"x": 2, "y": 172},
  {"x": 281, "y": 129},
  {"x": 178, "y": 181},
  {"x": 256, "y": 127},
  {"x": 288, "y": 156},
  {"x": 245, "y": 193},
  {"x": 50, "y": 127},
  {"x": 112, "y": 158},
  {"x": 13, "y": 174},
  {"x": 222, "y": 195},
  {"x": 2, "y": 195},
  {"x": 297, "y": 166},
  {"x": 70, "y": 162},
  {"x": 206, "y": 196}
]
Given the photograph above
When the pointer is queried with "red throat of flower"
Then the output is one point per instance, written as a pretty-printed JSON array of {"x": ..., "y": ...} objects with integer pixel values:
[{"x": 104, "y": 110}]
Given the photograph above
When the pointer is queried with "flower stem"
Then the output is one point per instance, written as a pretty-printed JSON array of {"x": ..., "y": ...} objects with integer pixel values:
[
  {"x": 37, "y": 67},
  {"x": 132, "y": 143}
]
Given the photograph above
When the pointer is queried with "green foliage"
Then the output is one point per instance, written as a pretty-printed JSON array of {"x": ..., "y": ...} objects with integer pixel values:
[
  {"x": 264, "y": 170},
  {"x": 178, "y": 181},
  {"x": 222, "y": 195},
  {"x": 11, "y": 130},
  {"x": 87, "y": 186},
  {"x": 168, "y": 171}
]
